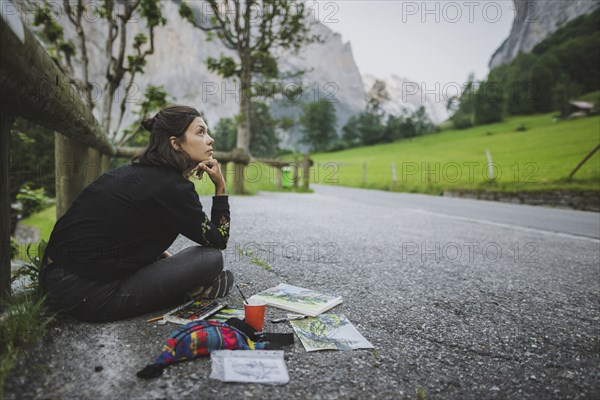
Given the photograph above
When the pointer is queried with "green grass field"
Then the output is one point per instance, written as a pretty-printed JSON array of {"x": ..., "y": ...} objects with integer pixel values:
[{"x": 539, "y": 158}]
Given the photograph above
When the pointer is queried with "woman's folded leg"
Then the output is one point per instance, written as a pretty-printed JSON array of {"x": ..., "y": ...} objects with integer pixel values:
[{"x": 163, "y": 283}]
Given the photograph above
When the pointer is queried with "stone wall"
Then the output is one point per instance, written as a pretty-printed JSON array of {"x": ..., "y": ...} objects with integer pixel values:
[{"x": 578, "y": 200}]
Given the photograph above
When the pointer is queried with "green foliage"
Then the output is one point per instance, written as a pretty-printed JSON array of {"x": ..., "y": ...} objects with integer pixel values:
[
  {"x": 32, "y": 163},
  {"x": 14, "y": 248},
  {"x": 225, "y": 66},
  {"x": 32, "y": 200},
  {"x": 31, "y": 269},
  {"x": 368, "y": 128},
  {"x": 319, "y": 125},
  {"x": 150, "y": 10},
  {"x": 185, "y": 12},
  {"x": 264, "y": 141},
  {"x": 252, "y": 29},
  {"x": 558, "y": 70},
  {"x": 225, "y": 134},
  {"x": 465, "y": 105},
  {"x": 125, "y": 57},
  {"x": 24, "y": 322},
  {"x": 256, "y": 260},
  {"x": 350, "y": 132},
  {"x": 489, "y": 103},
  {"x": 155, "y": 98},
  {"x": 51, "y": 30}
]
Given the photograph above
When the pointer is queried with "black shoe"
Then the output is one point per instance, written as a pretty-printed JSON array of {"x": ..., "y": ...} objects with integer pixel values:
[{"x": 220, "y": 287}]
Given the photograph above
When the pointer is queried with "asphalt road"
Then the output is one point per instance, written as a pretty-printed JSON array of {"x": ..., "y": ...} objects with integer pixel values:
[
  {"x": 543, "y": 218},
  {"x": 461, "y": 298}
]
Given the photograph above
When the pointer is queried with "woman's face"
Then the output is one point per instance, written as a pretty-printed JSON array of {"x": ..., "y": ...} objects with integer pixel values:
[{"x": 197, "y": 143}]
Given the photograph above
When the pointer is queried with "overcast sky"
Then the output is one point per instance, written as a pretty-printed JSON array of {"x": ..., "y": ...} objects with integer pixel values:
[{"x": 425, "y": 41}]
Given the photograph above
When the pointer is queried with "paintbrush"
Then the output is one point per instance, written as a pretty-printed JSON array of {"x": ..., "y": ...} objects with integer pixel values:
[{"x": 240, "y": 290}]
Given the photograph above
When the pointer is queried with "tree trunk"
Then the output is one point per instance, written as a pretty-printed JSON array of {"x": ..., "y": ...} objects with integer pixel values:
[
  {"x": 6, "y": 122},
  {"x": 71, "y": 158},
  {"x": 244, "y": 129}
]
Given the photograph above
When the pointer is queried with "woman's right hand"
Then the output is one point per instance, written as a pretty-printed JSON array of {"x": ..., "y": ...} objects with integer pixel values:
[{"x": 211, "y": 167}]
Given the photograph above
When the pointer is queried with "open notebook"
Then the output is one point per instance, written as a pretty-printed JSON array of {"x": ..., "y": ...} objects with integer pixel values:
[{"x": 297, "y": 299}]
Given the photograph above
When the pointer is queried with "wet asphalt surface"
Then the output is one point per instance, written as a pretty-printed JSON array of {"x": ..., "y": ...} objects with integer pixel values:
[{"x": 456, "y": 306}]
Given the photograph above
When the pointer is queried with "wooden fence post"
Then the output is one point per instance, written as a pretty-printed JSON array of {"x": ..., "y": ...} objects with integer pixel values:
[
  {"x": 93, "y": 168},
  {"x": 70, "y": 157},
  {"x": 238, "y": 182},
  {"x": 278, "y": 177},
  {"x": 105, "y": 162},
  {"x": 6, "y": 122},
  {"x": 295, "y": 175},
  {"x": 242, "y": 159},
  {"x": 394, "y": 176},
  {"x": 224, "y": 166},
  {"x": 305, "y": 172}
]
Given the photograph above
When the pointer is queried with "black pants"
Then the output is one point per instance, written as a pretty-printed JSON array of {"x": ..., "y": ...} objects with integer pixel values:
[{"x": 157, "y": 286}]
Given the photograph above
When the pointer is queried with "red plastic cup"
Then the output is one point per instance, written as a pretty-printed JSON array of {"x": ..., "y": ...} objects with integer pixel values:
[{"x": 254, "y": 314}]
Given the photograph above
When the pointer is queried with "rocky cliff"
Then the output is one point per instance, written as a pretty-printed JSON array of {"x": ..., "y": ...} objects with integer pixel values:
[{"x": 534, "y": 21}]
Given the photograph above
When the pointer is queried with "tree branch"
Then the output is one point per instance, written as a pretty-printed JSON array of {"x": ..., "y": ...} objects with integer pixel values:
[
  {"x": 224, "y": 24},
  {"x": 87, "y": 86}
]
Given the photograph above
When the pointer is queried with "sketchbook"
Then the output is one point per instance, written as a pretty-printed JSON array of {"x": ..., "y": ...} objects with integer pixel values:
[
  {"x": 298, "y": 300},
  {"x": 258, "y": 366},
  {"x": 329, "y": 332},
  {"x": 193, "y": 310}
]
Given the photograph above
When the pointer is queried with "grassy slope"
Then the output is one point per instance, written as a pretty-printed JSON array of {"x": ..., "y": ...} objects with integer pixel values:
[{"x": 539, "y": 158}]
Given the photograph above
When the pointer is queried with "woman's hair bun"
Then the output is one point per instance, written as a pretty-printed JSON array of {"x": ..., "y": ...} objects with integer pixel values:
[{"x": 148, "y": 123}]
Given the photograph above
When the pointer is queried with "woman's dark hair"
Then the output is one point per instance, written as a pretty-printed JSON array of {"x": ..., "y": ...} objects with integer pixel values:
[{"x": 173, "y": 120}]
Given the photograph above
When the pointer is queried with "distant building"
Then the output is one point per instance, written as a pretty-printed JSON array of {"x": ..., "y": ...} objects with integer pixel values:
[{"x": 580, "y": 108}]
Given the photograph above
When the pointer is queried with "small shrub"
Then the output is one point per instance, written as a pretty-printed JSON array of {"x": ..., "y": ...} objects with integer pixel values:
[
  {"x": 14, "y": 248},
  {"x": 31, "y": 269},
  {"x": 24, "y": 322},
  {"x": 32, "y": 200},
  {"x": 521, "y": 128}
]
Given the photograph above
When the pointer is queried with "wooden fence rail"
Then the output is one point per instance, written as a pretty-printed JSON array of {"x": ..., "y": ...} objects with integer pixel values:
[
  {"x": 241, "y": 158},
  {"x": 33, "y": 87}
]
